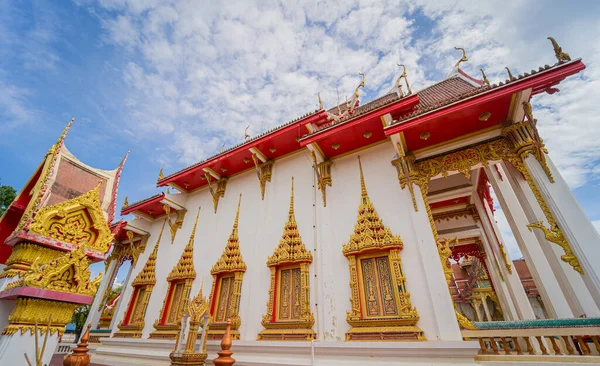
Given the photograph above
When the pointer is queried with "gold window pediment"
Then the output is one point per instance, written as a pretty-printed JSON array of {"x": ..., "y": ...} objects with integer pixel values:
[{"x": 79, "y": 221}]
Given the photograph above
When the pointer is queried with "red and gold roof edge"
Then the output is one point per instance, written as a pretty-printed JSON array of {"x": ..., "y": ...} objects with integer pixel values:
[{"x": 141, "y": 203}]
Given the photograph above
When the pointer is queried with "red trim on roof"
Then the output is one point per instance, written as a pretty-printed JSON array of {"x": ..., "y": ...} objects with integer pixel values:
[{"x": 141, "y": 204}]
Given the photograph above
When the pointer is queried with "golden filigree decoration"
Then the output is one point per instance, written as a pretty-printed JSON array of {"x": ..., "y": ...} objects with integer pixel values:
[
  {"x": 263, "y": 172},
  {"x": 320, "y": 102},
  {"x": 23, "y": 254},
  {"x": 323, "y": 171},
  {"x": 134, "y": 319},
  {"x": 68, "y": 273},
  {"x": 79, "y": 221},
  {"x": 177, "y": 224},
  {"x": 558, "y": 52},
  {"x": 496, "y": 150},
  {"x": 466, "y": 212},
  {"x": 505, "y": 258},
  {"x": 231, "y": 259},
  {"x": 290, "y": 251},
  {"x": 371, "y": 235},
  {"x": 219, "y": 192},
  {"x": 230, "y": 262},
  {"x": 405, "y": 165},
  {"x": 184, "y": 352},
  {"x": 180, "y": 281},
  {"x": 29, "y": 311},
  {"x": 445, "y": 252},
  {"x": 463, "y": 322}
]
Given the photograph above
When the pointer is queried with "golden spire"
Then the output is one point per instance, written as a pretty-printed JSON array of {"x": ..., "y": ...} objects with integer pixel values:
[
  {"x": 231, "y": 259},
  {"x": 185, "y": 267},
  {"x": 320, "y": 102},
  {"x": 291, "y": 249},
  {"x": 363, "y": 189},
  {"x": 369, "y": 231},
  {"x": 147, "y": 275},
  {"x": 160, "y": 174}
]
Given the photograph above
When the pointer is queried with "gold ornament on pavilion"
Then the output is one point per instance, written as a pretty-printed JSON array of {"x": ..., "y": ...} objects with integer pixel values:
[
  {"x": 143, "y": 284},
  {"x": 23, "y": 254},
  {"x": 510, "y": 75},
  {"x": 161, "y": 175},
  {"x": 219, "y": 192},
  {"x": 381, "y": 307},
  {"x": 485, "y": 79},
  {"x": 79, "y": 221},
  {"x": 323, "y": 171},
  {"x": 263, "y": 172},
  {"x": 29, "y": 311},
  {"x": 177, "y": 224},
  {"x": 558, "y": 52},
  {"x": 228, "y": 274},
  {"x": 288, "y": 313},
  {"x": 180, "y": 281},
  {"x": 68, "y": 273},
  {"x": 125, "y": 203},
  {"x": 463, "y": 58},
  {"x": 399, "y": 82}
]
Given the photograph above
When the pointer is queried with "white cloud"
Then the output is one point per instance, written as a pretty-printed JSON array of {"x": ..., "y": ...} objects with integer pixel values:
[{"x": 205, "y": 70}]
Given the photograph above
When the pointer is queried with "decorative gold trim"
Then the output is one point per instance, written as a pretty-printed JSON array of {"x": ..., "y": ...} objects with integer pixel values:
[
  {"x": 23, "y": 254},
  {"x": 485, "y": 79},
  {"x": 68, "y": 273},
  {"x": 79, "y": 221},
  {"x": 230, "y": 262},
  {"x": 219, "y": 192},
  {"x": 183, "y": 272},
  {"x": 29, "y": 311},
  {"x": 263, "y": 172},
  {"x": 323, "y": 171},
  {"x": 465, "y": 212},
  {"x": 290, "y": 251},
  {"x": 197, "y": 310},
  {"x": 373, "y": 237},
  {"x": 404, "y": 166},
  {"x": 161, "y": 175}
]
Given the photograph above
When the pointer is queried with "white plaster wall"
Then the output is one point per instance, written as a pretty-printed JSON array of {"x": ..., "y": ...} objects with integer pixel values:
[
  {"x": 454, "y": 223},
  {"x": 261, "y": 226}
]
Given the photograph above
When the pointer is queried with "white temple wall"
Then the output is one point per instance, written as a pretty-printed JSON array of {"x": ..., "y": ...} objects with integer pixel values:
[{"x": 260, "y": 228}]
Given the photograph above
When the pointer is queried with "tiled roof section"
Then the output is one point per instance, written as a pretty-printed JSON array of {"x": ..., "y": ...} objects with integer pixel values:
[
  {"x": 241, "y": 144},
  {"x": 144, "y": 200},
  {"x": 360, "y": 110},
  {"x": 471, "y": 92},
  {"x": 444, "y": 90}
]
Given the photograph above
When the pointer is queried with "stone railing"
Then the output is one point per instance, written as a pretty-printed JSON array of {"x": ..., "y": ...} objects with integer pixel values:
[
  {"x": 560, "y": 340},
  {"x": 63, "y": 348},
  {"x": 97, "y": 334}
]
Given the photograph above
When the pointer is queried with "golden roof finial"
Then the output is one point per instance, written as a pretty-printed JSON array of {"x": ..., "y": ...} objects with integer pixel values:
[
  {"x": 485, "y": 79},
  {"x": 221, "y": 149},
  {"x": 361, "y": 85},
  {"x": 320, "y": 102},
  {"x": 246, "y": 135},
  {"x": 237, "y": 215},
  {"x": 125, "y": 202},
  {"x": 464, "y": 56},
  {"x": 510, "y": 75},
  {"x": 363, "y": 188},
  {"x": 558, "y": 52},
  {"x": 403, "y": 76},
  {"x": 161, "y": 174},
  {"x": 291, "y": 213}
]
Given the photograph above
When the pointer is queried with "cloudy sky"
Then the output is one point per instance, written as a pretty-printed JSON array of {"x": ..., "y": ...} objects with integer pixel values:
[{"x": 173, "y": 81}]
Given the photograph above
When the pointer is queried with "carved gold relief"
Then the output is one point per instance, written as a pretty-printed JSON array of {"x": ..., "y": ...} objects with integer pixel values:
[
  {"x": 466, "y": 212},
  {"x": 185, "y": 353},
  {"x": 289, "y": 266},
  {"x": 380, "y": 307},
  {"x": 23, "y": 254},
  {"x": 263, "y": 172},
  {"x": 143, "y": 284},
  {"x": 178, "y": 223},
  {"x": 405, "y": 166},
  {"x": 227, "y": 274},
  {"x": 219, "y": 191},
  {"x": 68, "y": 273},
  {"x": 79, "y": 221},
  {"x": 29, "y": 311},
  {"x": 323, "y": 171},
  {"x": 180, "y": 281}
]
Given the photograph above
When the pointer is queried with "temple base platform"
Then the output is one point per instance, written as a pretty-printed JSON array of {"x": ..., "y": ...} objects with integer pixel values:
[{"x": 293, "y": 353}]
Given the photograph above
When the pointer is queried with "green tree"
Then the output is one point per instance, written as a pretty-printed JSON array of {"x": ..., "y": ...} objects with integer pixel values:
[
  {"x": 79, "y": 317},
  {"x": 7, "y": 195}
]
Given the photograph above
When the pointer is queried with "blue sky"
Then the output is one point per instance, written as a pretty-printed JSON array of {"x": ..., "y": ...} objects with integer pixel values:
[{"x": 172, "y": 81}]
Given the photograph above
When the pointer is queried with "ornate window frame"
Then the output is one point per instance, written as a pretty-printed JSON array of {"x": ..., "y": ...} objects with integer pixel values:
[
  {"x": 372, "y": 239},
  {"x": 289, "y": 254}
]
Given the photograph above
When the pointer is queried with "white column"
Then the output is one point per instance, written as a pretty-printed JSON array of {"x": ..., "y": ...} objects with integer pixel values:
[
  {"x": 573, "y": 221},
  {"x": 532, "y": 250},
  {"x": 475, "y": 305},
  {"x": 512, "y": 280},
  {"x": 94, "y": 315},
  {"x": 119, "y": 305},
  {"x": 576, "y": 292},
  {"x": 486, "y": 309},
  {"x": 506, "y": 302},
  {"x": 434, "y": 274}
]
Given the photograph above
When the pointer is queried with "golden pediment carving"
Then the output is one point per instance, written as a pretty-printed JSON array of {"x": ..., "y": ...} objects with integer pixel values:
[{"x": 79, "y": 221}]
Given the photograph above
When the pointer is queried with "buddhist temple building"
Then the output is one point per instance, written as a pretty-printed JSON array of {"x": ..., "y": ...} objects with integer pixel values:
[{"x": 362, "y": 234}]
